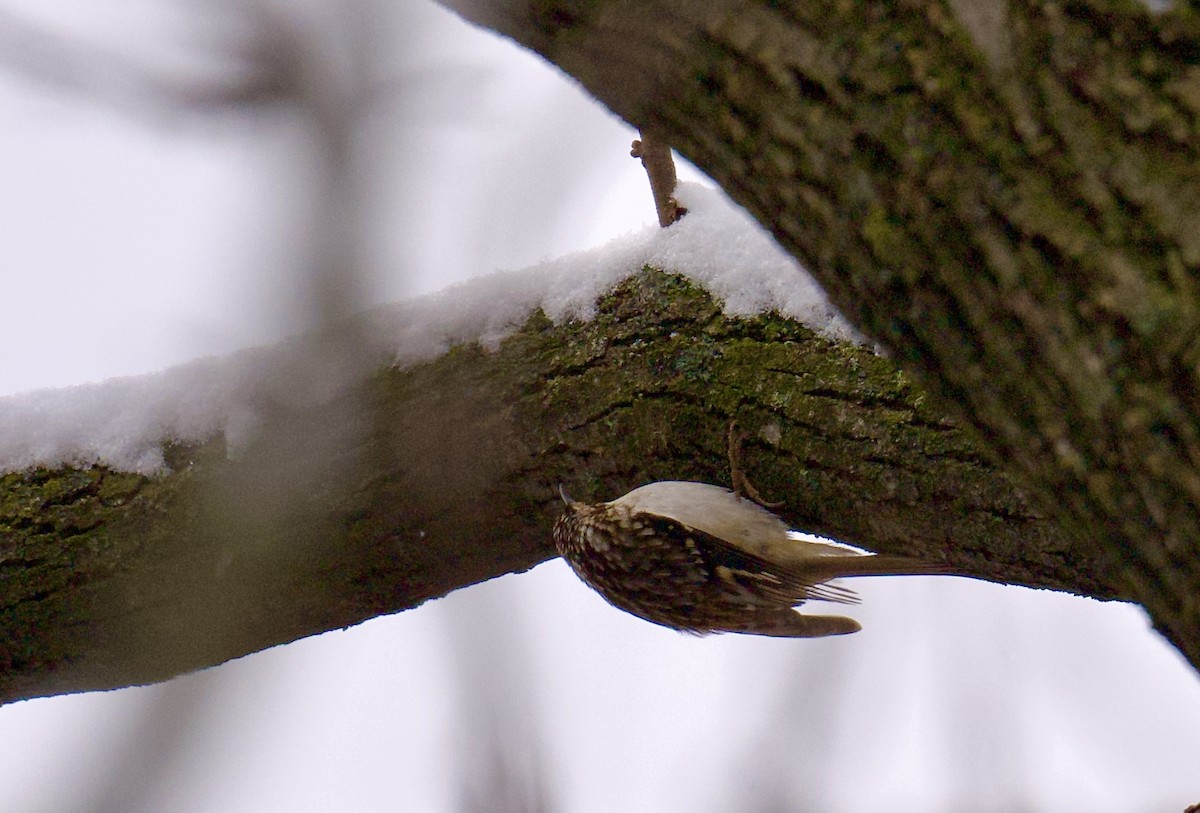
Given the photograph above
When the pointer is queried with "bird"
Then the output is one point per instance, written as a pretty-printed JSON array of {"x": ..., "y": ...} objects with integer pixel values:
[{"x": 700, "y": 558}]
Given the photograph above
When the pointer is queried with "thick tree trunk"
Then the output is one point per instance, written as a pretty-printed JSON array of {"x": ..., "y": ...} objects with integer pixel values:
[
  {"x": 1006, "y": 194},
  {"x": 432, "y": 478}
]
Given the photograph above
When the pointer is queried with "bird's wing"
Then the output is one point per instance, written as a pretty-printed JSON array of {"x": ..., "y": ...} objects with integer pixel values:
[
  {"x": 747, "y": 572},
  {"x": 716, "y": 511},
  {"x": 739, "y": 522},
  {"x": 753, "y": 531}
]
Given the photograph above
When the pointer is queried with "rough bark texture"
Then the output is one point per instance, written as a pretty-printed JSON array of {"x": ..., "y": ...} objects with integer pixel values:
[
  {"x": 443, "y": 475},
  {"x": 1006, "y": 194}
]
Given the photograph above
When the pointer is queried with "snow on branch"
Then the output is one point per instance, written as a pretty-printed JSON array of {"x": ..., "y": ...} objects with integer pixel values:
[{"x": 122, "y": 423}]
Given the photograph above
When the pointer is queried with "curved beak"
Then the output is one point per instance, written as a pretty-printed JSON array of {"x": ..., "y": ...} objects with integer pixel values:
[{"x": 566, "y": 498}]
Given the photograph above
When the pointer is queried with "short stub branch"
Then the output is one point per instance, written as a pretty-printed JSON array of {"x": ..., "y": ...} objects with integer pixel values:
[{"x": 660, "y": 168}]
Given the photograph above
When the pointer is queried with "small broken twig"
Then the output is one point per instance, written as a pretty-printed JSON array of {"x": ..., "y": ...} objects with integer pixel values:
[{"x": 660, "y": 168}]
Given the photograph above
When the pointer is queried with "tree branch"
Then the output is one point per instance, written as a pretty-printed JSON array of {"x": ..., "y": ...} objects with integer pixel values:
[
  {"x": 1008, "y": 198},
  {"x": 436, "y": 477}
]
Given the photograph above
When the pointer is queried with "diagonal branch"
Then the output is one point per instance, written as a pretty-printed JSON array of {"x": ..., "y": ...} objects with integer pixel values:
[{"x": 1006, "y": 195}]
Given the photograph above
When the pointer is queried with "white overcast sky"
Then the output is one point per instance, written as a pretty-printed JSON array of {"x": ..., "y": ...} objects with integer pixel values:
[{"x": 133, "y": 243}]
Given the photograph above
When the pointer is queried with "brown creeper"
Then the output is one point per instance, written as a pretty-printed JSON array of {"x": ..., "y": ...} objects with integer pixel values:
[{"x": 699, "y": 558}]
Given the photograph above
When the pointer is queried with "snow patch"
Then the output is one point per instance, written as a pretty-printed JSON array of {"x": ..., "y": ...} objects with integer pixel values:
[{"x": 122, "y": 422}]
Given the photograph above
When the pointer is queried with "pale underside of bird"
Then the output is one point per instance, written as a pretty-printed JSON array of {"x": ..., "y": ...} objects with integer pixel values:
[{"x": 700, "y": 558}]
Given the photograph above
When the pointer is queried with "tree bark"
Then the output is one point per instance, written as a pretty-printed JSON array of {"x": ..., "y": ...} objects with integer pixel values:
[
  {"x": 439, "y": 476},
  {"x": 1005, "y": 194}
]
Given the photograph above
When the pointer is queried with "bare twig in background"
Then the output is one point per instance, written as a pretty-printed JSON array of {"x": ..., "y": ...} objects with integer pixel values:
[
  {"x": 290, "y": 61},
  {"x": 785, "y": 767},
  {"x": 660, "y": 168},
  {"x": 135, "y": 87},
  {"x": 500, "y": 755},
  {"x": 150, "y": 759}
]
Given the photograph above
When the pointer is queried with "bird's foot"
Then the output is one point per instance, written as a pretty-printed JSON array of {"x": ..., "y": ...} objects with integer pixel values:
[{"x": 741, "y": 483}]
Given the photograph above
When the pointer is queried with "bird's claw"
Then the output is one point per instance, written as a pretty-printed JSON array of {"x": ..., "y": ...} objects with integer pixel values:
[{"x": 741, "y": 483}]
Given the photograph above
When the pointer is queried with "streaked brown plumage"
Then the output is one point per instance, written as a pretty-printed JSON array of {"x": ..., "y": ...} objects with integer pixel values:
[{"x": 699, "y": 558}]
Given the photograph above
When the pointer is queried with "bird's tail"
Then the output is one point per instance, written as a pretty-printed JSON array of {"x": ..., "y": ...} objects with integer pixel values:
[
  {"x": 791, "y": 624},
  {"x": 849, "y": 566}
]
